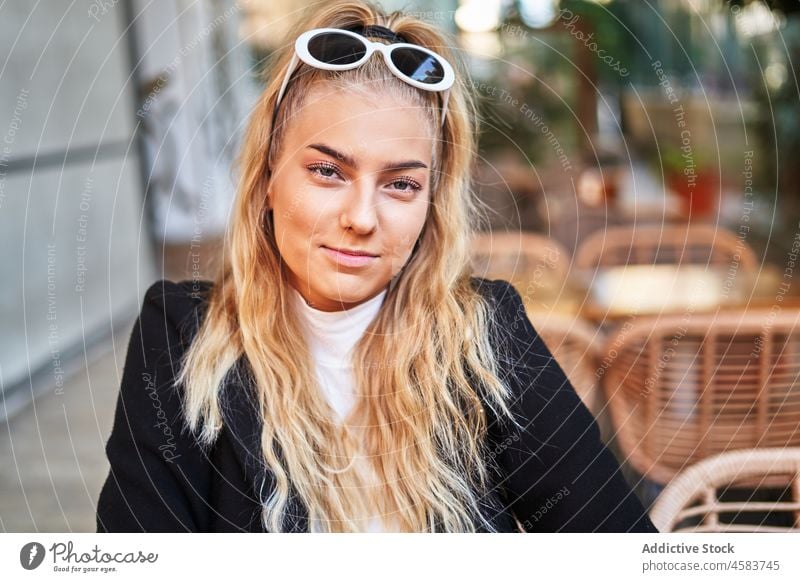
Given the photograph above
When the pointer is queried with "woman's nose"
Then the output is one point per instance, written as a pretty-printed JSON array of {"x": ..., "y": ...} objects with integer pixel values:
[{"x": 359, "y": 210}]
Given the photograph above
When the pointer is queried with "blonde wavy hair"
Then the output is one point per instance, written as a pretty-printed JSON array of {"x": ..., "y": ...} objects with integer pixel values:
[{"x": 425, "y": 367}]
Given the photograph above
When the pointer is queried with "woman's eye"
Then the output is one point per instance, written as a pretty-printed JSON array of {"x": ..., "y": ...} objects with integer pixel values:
[
  {"x": 323, "y": 170},
  {"x": 406, "y": 185}
]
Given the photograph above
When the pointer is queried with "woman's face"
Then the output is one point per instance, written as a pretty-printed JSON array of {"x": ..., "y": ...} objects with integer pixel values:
[{"x": 353, "y": 175}]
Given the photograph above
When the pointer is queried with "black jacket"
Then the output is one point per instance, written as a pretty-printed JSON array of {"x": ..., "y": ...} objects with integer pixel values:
[{"x": 556, "y": 475}]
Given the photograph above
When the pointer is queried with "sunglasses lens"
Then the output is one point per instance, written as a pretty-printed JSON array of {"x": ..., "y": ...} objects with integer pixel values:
[
  {"x": 418, "y": 65},
  {"x": 336, "y": 49}
]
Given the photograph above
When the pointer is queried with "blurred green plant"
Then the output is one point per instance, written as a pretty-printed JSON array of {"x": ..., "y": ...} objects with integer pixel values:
[{"x": 773, "y": 76}]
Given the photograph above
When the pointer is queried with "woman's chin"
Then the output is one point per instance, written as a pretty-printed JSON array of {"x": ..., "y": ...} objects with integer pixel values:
[{"x": 350, "y": 288}]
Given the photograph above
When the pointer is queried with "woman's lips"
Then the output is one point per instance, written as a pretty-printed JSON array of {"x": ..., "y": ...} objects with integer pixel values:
[{"x": 348, "y": 259}]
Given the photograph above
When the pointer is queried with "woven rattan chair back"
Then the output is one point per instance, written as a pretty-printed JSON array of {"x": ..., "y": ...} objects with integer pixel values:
[
  {"x": 700, "y": 499},
  {"x": 667, "y": 244},
  {"x": 515, "y": 255},
  {"x": 681, "y": 388}
]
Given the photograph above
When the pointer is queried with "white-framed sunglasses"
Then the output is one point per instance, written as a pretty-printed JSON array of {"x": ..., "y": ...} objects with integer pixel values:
[{"x": 336, "y": 49}]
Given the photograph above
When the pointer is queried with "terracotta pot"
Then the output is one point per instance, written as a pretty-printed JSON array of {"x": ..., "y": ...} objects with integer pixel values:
[{"x": 699, "y": 197}]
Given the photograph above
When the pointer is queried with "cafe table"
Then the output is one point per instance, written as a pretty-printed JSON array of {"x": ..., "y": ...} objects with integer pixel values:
[{"x": 617, "y": 293}]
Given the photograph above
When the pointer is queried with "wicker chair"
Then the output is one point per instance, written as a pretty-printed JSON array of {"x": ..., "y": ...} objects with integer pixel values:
[
  {"x": 681, "y": 388},
  {"x": 514, "y": 255},
  {"x": 696, "y": 500},
  {"x": 575, "y": 345},
  {"x": 673, "y": 245}
]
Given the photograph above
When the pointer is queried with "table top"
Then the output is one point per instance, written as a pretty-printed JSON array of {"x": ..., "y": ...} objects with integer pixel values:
[
  {"x": 667, "y": 289},
  {"x": 611, "y": 294}
]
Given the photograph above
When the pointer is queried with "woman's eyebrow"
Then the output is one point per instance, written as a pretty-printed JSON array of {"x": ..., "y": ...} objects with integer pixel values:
[{"x": 349, "y": 161}]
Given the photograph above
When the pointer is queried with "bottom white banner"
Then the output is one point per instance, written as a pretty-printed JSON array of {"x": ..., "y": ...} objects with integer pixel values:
[{"x": 398, "y": 556}]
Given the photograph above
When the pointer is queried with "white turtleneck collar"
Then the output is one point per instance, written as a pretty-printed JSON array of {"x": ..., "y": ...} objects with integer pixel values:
[{"x": 331, "y": 335}]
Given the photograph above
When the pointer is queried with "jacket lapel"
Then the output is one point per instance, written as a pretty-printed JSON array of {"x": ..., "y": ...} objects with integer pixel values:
[{"x": 243, "y": 422}]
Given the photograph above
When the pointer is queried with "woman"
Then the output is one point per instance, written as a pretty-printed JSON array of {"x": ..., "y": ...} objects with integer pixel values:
[{"x": 344, "y": 372}]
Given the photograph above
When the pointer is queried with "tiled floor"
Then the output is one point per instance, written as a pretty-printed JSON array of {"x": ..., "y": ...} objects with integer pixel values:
[{"x": 53, "y": 452}]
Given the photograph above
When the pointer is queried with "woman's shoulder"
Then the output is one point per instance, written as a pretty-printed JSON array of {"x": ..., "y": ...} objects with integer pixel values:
[
  {"x": 502, "y": 294},
  {"x": 509, "y": 321},
  {"x": 494, "y": 287},
  {"x": 179, "y": 304},
  {"x": 178, "y": 294}
]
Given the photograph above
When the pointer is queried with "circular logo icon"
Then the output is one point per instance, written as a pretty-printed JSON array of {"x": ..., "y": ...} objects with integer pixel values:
[{"x": 31, "y": 555}]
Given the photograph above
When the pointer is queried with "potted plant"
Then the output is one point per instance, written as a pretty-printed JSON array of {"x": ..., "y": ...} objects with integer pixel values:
[{"x": 692, "y": 177}]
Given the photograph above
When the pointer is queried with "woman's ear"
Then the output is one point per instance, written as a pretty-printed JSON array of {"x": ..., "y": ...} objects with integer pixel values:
[
  {"x": 266, "y": 219},
  {"x": 268, "y": 188}
]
